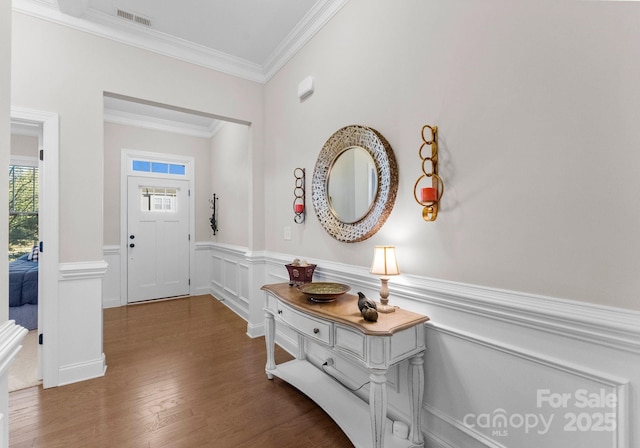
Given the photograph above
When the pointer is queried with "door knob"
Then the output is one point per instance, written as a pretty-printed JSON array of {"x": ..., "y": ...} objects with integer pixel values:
[
  {"x": 132, "y": 245},
  {"x": 131, "y": 237}
]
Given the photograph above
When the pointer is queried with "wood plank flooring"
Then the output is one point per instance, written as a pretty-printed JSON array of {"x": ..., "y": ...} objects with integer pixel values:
[{"x": 181, "y": 373}]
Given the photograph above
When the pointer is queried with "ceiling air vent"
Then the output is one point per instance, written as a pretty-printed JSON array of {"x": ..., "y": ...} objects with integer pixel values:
[{"x": 131, "y": 17}]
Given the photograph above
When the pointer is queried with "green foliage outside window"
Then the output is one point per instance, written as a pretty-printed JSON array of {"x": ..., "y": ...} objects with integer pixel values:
[{"x": 23, "y": 209}]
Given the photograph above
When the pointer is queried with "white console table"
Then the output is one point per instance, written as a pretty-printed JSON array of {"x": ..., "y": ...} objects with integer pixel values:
[{"x": 339, "y": 326}]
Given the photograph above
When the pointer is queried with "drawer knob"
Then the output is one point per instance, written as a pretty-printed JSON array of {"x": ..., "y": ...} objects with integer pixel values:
[
  {"x": 279, "y": 311},
  {"x": 316, "y": 330}
]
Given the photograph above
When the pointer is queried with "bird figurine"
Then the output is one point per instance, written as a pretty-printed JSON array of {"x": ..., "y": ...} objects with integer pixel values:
[{"x": 368, "y": 308}]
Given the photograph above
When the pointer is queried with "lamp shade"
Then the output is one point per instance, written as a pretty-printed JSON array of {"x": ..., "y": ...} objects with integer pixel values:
[{"x": 384, "y": 261}]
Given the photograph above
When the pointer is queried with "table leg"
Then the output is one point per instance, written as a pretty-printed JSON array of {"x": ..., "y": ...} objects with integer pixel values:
[
  {"x": 270, "y": 339},
  {"x": 416, "y": 395},
  {"x": 378, "y": 406}
]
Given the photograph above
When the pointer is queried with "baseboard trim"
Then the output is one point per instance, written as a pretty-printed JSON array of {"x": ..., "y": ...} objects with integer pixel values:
[
  {"x": 255, "y": 331},
  {"x": 74, "y": 373}
]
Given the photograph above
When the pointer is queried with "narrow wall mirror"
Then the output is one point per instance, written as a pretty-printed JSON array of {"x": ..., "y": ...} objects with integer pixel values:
[{"x": 354, "y": 184}]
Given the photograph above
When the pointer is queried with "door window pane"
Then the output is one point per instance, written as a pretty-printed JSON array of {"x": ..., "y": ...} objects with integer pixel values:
[
  {"x": 23, "y": 209},
  {"x": 158, "y": 199}
]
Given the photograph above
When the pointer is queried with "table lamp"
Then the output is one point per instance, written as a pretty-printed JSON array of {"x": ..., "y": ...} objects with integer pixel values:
[{"x": 384, "y": 265}]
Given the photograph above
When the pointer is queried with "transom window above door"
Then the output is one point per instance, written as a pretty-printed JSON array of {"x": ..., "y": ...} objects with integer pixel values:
[{"x": 148, "y": 166}]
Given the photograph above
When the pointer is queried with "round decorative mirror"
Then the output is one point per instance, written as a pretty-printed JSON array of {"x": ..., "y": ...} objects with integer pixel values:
[
  {"x": 355, "y": 181},
  {"x": 352, "y": 184}
]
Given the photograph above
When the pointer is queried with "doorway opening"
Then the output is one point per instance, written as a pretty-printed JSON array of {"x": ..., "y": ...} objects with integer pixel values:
[
  {"x": 147, "y": 139},
  {"x": 40, "y": 143},
  {"x": 24, "y": 181}
]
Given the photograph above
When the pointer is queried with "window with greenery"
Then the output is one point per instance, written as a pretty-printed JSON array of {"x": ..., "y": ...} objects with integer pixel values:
[{"x": 23, "y": 209}]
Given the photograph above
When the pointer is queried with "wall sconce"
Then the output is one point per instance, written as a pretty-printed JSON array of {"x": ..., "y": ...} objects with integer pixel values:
[
  {"x": 385, "y": 265},
  {"x": 214, "y": 213},
  {"x": 429, "y": 196},
  {"x": 298, "y": 196}
]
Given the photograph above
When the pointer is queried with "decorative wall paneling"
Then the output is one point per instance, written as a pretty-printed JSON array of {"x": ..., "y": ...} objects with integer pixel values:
[
  {"x": 229, "y": 273},
  {"x": 111, "y": 283},
  {"x": 79, "y": 338},
  {"x": 489, "y": 354},
  {"x": 497, "y": 356}
]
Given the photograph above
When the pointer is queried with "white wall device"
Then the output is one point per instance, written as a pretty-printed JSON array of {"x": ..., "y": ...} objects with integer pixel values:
[{"x": 305, "y": 88}]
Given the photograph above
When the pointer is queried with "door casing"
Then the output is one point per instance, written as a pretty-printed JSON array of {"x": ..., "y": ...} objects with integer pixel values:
[{"x": 48, "y": 268}]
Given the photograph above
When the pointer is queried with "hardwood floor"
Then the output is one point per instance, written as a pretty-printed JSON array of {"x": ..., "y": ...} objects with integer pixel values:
[{"x": 181, "y": 373}]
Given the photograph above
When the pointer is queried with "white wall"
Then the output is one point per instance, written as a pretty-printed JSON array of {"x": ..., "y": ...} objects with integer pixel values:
[
  {"x": 230, "y": 178},
  {"x": 535, "y": 103},
  {"x": 80, "y": 67}
]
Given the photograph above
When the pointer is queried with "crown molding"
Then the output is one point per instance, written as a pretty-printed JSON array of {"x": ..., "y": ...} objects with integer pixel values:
[
  {"x": 159, "y": 124},
  {"x": 109, "y": 27},
  {"x": 310, "y": 24}
]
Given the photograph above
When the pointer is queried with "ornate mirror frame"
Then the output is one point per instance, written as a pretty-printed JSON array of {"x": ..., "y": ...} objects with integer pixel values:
[{"x": 387, "y": 173}]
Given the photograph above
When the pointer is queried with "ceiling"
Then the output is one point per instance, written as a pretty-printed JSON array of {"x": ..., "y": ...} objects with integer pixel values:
[{"x": 251, "y": 39}]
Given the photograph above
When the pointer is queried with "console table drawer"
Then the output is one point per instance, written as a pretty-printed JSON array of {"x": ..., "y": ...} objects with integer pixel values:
[
  {"x": 350, "y": 341},
  {"x": 314, "y": 328}
]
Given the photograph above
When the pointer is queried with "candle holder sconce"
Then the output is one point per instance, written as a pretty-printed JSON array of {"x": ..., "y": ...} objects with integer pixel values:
[
  {"x": 214, "y": 213},
  {"x": 429, "y": 196},
  {"x": 299, "y": 196}
]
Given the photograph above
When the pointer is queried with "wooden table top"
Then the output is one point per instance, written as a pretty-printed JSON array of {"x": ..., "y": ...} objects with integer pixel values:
[{"x": 345, "y": 310}]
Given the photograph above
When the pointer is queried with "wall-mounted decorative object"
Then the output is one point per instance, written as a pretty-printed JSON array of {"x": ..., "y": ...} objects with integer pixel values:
[
  {"x": 300, "y": 272},
  {"x": 384, "y": 265},
  {"x": 299, "y": 196},
  {"x": 355, "y": 182},
  {"x": 428, "y": 196},
  {"x": 214, "y": 213}
]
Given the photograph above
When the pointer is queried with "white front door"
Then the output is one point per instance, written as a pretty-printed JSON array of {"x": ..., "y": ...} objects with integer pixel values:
[{"x": 158, "y": 238}]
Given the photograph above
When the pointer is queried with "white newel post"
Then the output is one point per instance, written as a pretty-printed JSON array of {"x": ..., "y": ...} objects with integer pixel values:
[{"x": 11, "y": 336}]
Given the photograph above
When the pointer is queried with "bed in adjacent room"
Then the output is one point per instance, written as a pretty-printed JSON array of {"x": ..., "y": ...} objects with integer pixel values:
[{"x": 23, "y": 290}]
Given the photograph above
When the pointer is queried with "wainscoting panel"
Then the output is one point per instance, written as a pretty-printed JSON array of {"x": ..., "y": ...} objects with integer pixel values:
[
  {"x": 202, "y": 282},
  {"x": 229, "y": 277},
  {"x": 520, "y": 397},
  {"x": 502, "y": 368},
  {"x": 111, "y": 282},
  {"x": 506, "y": 369},
  {"x": 80, "y": 355}
]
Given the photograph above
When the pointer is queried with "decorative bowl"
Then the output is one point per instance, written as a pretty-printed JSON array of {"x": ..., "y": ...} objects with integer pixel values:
[{"x": 323, "y": 291}]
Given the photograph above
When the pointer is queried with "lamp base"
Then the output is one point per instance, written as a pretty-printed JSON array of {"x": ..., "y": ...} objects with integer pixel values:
[{"x": 385, "y": 308}]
